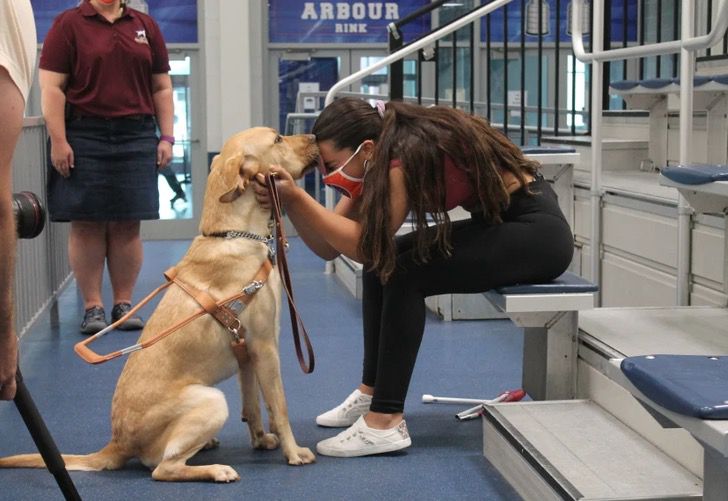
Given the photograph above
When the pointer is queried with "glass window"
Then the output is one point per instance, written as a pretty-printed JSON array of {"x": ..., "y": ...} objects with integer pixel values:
[
  {"x": 175, "y": 188},
  {"x": 576, "y": 92}
]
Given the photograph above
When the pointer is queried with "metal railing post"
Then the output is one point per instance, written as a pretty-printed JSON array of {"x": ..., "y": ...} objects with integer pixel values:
[{"x": 396, "y": 69}]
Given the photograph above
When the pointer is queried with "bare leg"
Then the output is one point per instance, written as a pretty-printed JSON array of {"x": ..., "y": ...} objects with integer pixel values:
[
  {"x": 125, "y": 254},
  {"x": 87, "y": 253},
  {"x": 11, "y": 123},
  {"x": 382, "y": 421}
]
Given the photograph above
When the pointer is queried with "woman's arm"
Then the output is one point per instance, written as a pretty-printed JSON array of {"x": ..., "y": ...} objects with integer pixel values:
[
  {"x": 53, "y": 104},
  {"x": 164, "y": 111},
  {"x": 310, "y": 234},
  {"x": 330, "y": 233},
  {"x": 327, "y": 233}
]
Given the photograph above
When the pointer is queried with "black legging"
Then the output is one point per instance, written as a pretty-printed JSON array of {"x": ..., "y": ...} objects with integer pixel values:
[{"x": 533, "y": 244}]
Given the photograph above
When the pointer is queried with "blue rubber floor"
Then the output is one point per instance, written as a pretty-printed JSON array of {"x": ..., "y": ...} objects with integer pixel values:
[{"x": 445, "y": 462}]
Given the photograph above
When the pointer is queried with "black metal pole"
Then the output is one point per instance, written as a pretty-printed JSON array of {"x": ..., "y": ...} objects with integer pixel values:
[
  {"x": 709, "y": 22},
  {"x": 675, "y": 34},
  {"x": 642, "y": 14},
  {"x": 589, "y": 73},
  {"x": 523, "y": 72},
  {"x": 419, "y": 77},
  {"x": 557, "y": 71},
  {"x": 625, "y": 34},
  {"x": 505, "y": 69},
  {"x": 396, "y": 69},
  {"x": 658, "y": 59},
  {"x": 573, "y": 95},
  {"x": 437, "y": 71},
  {"x": 489, "y": 76},
  {"x": 454, "y": 69},
  {"x": 539, "y": 92},
  {"x": 472, "y": 68},
  {"x": 607, "y": 45},
  {"x": 43, "y": 440}
]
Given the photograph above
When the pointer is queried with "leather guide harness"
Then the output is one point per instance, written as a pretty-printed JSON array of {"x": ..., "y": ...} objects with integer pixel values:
[{"x": 226, "y": 311}]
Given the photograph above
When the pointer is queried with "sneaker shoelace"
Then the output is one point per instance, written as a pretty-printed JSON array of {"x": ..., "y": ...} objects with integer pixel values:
[
  {"x": 120, "y": 310},
  {"x": 94, "y": 313}
]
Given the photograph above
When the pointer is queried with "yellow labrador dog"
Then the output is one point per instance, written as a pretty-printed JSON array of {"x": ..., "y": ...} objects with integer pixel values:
[{"x": 165, "y": 407}]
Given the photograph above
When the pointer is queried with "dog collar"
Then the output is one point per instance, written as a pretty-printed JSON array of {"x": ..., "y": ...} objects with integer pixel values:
[
  {"x": 239, "y": 234},
  {"x": 232, "y": 234}
]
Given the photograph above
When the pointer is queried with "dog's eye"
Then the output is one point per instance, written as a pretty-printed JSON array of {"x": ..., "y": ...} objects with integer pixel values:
[{"x": 278, "y": 139}]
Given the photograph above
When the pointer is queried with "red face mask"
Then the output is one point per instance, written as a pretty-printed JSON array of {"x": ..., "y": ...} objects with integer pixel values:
[{"x": 347, "y": 185}]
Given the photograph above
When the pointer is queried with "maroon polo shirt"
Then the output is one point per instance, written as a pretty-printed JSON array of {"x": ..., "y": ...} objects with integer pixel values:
[{"x": 110, "y": 66}]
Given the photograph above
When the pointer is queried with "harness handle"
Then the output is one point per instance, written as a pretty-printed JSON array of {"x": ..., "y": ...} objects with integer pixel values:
[
  {"x": 88, "y": 355},
  {"x": 282, "y": 262}
]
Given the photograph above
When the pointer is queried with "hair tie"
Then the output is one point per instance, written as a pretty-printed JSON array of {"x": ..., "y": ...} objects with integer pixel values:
[{"x": 380, "y": 107}]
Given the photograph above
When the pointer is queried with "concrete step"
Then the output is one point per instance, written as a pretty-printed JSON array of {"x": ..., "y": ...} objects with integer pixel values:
[{"x": 576, "y": 450}]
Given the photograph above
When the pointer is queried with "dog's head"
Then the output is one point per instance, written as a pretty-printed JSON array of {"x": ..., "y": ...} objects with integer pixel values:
[
  {"x": 244, "y": 155},
  {"x": 253, "y": 151}
]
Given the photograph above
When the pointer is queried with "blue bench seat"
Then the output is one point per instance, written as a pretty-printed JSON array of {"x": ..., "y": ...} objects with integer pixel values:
[
  {"x": 704, "y": 186},
  {"x": 547, "y": 150},
  {"x": 692, "y": 385},
  {"x": 569, "y": 292},
  {"x": 696, "y": 173},
  {"x": 567, "y": 283},
  {"x": 666, "y": 84},
  {"x": 686, "y": 391}
]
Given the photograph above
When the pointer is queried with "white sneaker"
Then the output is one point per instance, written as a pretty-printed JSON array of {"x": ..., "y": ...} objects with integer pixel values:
[
  {"x": 361, "y": 440},
  {"x": 347, "y": 412}
]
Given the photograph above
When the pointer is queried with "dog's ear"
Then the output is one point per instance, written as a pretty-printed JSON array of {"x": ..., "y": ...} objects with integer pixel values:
[{"x": 237, "y": 172}]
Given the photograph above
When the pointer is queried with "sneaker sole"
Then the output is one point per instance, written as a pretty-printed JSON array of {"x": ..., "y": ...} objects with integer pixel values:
[
  {"x": 369, "y": 451},
  {"x": 92, "y": 328},
  {"x": 131, "y": 325},
  {"x": 331, "y": 423}
]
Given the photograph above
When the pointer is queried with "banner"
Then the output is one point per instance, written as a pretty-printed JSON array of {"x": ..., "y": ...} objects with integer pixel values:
[
  {"x": 547, "y": 28},
  {"x": 176, "y": 18},
  {"x": 337, "y": 22}
]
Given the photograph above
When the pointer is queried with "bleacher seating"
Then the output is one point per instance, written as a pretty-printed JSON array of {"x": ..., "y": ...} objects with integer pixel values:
[
  {"x": 709, "y": 94},
  {"x": 549, "y": 315}
]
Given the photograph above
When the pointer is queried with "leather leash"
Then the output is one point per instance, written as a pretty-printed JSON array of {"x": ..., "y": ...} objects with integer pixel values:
[{"x": 281, "y": 244}]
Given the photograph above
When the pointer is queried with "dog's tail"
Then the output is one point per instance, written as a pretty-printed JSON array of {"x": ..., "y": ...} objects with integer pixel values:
[{"x": 108, "y": 458}]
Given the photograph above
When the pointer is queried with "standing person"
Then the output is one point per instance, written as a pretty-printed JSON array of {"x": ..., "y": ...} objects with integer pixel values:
[
  {"x": 105, "y": 90},
  {"x": 398, "y": 159},
  {"x": 17, "y": 61}
]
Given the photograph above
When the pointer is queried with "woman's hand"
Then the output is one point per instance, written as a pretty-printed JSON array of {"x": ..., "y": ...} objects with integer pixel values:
[
  {"x": 164, "y": 154},
  {"x": 284, "y": 182},
  {"x": 62, "y": 157}
]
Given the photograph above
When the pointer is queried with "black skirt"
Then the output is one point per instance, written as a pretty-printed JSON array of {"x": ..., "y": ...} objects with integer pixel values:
[{"x": 115, "y": 172}]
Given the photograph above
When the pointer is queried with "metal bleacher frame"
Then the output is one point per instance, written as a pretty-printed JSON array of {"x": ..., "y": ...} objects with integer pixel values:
[
  {"x": 604, "y": 332},
  {"x": 651, "y": 464}
]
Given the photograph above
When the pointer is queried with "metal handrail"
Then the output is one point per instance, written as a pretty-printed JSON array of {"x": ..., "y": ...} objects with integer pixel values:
[
  {"x": 655, "y": 49},
  {"x": 687, "y": 45},
  {"x": 392, "y": 27},
  {"x": 423, "y": 42}
]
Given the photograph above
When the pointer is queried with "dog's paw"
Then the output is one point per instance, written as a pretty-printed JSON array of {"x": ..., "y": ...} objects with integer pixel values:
[
  {"x": 267, "y": 441},
  {"x": 224, "y": 473},
  {"x": 303, "y": 455},
  {"x": 214, "y": 443}
]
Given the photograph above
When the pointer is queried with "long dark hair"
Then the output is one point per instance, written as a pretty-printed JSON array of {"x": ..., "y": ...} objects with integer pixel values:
[{"x": 420, "y": 138}]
